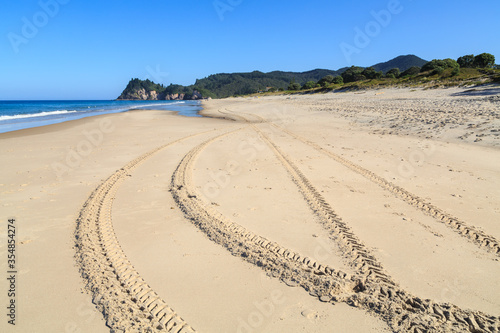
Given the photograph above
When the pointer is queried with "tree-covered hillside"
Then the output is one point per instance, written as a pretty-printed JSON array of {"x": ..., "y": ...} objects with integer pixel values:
[
  {"x": 225, "y": 85},
  {"x": 401, "y": 62},
  {"x": 135, "y": 86}
]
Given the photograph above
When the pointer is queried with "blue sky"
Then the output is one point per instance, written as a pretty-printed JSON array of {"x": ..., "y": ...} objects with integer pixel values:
[{"x": 75, "y": 49}]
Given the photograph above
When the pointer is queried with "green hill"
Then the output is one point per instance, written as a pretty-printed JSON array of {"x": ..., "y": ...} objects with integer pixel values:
[
  {"x": 401, "y": 62},
  {"x": 225, "y": 84}
]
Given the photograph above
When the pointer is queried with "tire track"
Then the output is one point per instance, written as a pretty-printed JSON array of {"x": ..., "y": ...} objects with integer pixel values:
[
  {"x": 359, "y": 257},
  {"x": 232, "y": 116},
  {"x": 289, "y": 266},
  {"x": 379, "y": 294},
  {"x": 127, "y": 302},
  {"x": 376, "y": 293},
  {"x": 478, "y": 237}
]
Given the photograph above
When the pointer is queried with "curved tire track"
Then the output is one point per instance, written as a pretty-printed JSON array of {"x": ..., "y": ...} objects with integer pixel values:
[
  {"x": 480, "y": 238},
  {"x": 359, "y": 257},
  {"x": 291, "y": 267},
  {"x": 402, "y": 311},
  {"x": 127, "y": 302},
  {"x": 377, "y": 293}
]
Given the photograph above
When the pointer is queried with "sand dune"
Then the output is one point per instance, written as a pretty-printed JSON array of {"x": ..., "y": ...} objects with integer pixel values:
[{"x": 374, "y": 211}]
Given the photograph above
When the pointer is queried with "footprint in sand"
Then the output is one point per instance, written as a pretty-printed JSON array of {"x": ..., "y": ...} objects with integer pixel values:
[{"x": 309, "y": 314}]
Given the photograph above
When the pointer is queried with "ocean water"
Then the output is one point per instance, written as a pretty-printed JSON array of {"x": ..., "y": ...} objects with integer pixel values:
[{"x": 16, "y": 115}]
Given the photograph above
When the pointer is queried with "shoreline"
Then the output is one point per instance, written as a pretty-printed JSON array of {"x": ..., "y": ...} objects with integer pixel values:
[
  {"x": 42, "y": 118},
  {"x": 239, "y": 163},
  {"x": 43, "y": 129},
  {"x": 45, "y": 183}
]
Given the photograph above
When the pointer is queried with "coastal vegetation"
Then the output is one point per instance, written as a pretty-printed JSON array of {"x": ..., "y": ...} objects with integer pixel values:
[
  {"x": 407, "y": 70},
  {"x": 466, "y": 70}
]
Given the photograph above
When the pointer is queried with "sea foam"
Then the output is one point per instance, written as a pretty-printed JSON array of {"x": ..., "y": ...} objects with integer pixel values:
[{"x": 32, "y": 115}]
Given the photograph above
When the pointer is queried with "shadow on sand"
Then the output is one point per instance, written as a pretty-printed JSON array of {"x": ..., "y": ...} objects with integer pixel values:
[{"x": 480, "y": 91}]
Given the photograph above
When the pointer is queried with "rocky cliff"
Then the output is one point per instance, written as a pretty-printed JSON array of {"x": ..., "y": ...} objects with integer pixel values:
[
  {"x": 152, "y": 95},
  {"x": 147, "y": 90}
]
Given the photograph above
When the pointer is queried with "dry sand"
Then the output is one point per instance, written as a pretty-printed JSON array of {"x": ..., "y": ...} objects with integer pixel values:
[{"x": 345, "y": 212}]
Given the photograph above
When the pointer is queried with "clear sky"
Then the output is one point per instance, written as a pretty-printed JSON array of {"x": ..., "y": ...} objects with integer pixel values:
[{"x": 76, "y": 49}]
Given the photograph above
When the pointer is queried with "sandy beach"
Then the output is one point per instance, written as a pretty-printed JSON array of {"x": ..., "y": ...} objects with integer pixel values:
[{"x": 372, "y": 211}]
